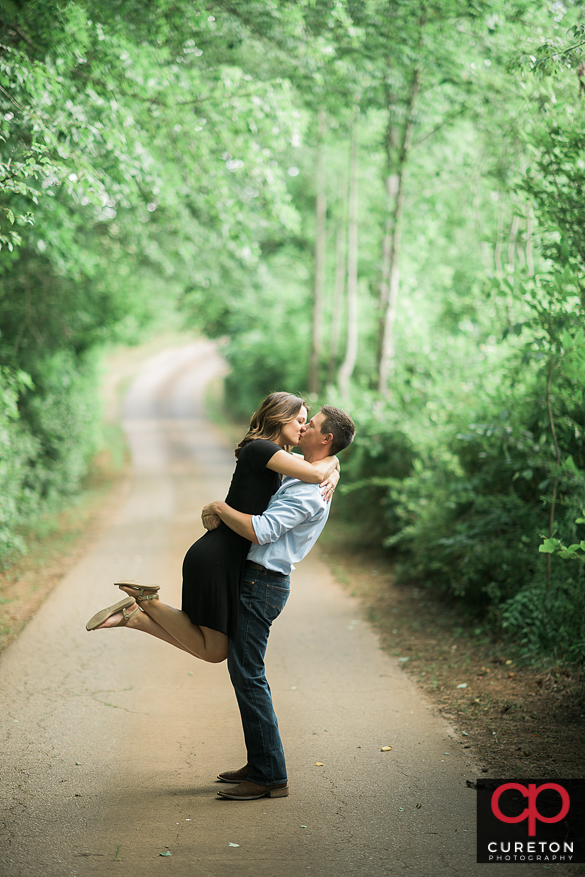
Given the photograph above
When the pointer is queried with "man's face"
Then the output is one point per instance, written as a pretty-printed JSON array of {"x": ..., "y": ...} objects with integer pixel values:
[{"x": 311, "y": 435}]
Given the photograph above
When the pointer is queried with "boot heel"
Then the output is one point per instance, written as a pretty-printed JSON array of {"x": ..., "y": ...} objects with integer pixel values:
[{"x": 278, "y": 793}]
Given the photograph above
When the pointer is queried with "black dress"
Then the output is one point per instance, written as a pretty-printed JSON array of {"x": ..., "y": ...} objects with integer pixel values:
[{"x": 213, "y": 566}]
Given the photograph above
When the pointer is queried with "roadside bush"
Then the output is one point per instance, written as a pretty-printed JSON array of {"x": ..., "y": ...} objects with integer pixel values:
[
  {"x": 550, "y": 620},
  {"x": 49, "y": 431},
  {"x": 258, "y": 369},
  {"x": 462, "y": 506},
  {"x": 63, "y": 414},
  {"x": 380, "y": 457},
  {"x": 17, "y": 450}
]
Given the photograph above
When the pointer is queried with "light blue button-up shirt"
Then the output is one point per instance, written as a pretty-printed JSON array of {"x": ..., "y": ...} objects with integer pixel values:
[{"x": 290, "y": 526}]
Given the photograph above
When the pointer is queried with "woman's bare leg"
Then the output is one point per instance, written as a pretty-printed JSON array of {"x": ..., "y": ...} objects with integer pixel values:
[
  {"x": 147, "y": 625},
  {"x": 141, "y": 621},
  {"x": 203, "y": 642}
]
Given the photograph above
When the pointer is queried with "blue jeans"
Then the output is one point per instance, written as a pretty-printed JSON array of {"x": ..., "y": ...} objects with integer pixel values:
[{"x": 262, "y": 598}]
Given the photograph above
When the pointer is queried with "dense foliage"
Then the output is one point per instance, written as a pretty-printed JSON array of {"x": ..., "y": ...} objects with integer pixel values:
[
  {"x": 132, "y": 181},
  {"x": 382, "y": 201}
]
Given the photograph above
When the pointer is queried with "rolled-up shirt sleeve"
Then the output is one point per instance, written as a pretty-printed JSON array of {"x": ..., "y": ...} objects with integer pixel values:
[{"x": 284, "y": 513}]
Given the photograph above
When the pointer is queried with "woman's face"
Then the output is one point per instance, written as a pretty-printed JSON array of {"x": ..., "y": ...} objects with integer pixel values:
[{"x": 290, "y": 432}]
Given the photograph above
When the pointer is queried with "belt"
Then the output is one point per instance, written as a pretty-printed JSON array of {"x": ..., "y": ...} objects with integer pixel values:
[{"x": 253, "y": 565}]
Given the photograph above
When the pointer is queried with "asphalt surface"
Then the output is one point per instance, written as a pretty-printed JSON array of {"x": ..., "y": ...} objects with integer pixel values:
[{"x": 112, "y": 740}]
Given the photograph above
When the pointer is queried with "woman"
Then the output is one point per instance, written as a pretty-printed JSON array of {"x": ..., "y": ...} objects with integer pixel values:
[{"x": 212, "y": 568}]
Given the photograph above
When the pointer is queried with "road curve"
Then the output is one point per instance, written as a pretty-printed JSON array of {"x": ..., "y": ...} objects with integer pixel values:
[{"x": 112, "y": 740}]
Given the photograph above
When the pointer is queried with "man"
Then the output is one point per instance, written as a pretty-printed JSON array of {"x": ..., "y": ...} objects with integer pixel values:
[{"x": 280, "y": 537}]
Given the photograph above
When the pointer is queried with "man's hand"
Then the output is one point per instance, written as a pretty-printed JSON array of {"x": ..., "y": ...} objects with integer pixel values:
[
  {"x": 327, "y": 487},
  {"x": 210, "y": 522},
  {"x": 209, "y": 517},
  {"x": 236, "y": 521}
]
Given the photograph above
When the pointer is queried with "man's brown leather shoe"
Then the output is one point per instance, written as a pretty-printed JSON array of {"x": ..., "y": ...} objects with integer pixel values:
[
  {"x": 235, "y": 776},
  {"x": 248, "y": 791}
]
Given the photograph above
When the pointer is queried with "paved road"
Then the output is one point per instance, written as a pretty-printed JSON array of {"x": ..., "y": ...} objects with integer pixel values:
[{"x": 112, "y": 740}]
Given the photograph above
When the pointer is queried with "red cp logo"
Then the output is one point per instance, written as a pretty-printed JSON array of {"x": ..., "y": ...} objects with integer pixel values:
[{"x": 531, "y": 813}]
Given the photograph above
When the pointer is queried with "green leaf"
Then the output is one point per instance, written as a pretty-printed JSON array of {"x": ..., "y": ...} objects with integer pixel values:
[
  {"x": 10, "y": 9},
  {"x": 569, "y": 464}
]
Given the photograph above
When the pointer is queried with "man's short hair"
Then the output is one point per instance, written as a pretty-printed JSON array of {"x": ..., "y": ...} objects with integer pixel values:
[{"x": 340, "y": 425}]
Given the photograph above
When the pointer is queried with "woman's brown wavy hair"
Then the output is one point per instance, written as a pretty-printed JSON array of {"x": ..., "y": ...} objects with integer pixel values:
[{"x": 276, "y": 410}]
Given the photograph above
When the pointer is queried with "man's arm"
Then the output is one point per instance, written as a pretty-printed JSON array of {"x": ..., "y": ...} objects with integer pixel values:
[
  {"x": 237, "y": 521},
  {"x": 289, "y": 508}
]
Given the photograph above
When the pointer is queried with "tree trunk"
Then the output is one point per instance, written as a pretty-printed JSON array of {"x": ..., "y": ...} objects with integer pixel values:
[
  {"x": 319, "y": 285},
  {"x": 485, "y": 250},
  {"x": 337, "y": 294},
  {"x": 551, "y": 520},
  {"x": 346, "y": 370},
  {"x": 529, "y": 256},
  {"x": 395, "y": 185},
  {"x": 498, "y": 246},
  {"x": 512, "y": 243},
  {"x": 391, "y": 185}
]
